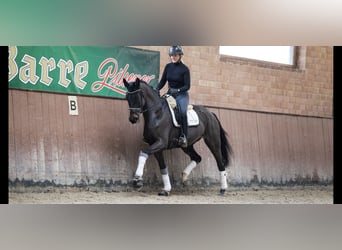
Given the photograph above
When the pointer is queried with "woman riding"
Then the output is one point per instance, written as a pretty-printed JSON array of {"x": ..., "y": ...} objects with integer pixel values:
[{"x": 177, "y": 74}]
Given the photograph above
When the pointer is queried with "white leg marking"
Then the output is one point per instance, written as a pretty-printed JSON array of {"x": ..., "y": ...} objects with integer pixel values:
[
  {"x": 188, "y": 170},
  {"x": 224, "y": 184},
  {"x": 141, "y": 164},
  {"x": 166, "y": 181}
]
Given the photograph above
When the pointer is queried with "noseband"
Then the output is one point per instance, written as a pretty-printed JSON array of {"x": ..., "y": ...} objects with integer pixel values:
[{"x": 140, "y": 109}]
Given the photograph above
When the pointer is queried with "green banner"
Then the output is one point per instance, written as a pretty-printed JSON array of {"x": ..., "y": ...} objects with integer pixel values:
[{"x": 81, "y": 70}]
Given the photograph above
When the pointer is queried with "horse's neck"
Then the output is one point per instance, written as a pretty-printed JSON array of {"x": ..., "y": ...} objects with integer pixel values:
[
  {"x": 151, "y": 98},
  {"x": 154, "y": 103}
]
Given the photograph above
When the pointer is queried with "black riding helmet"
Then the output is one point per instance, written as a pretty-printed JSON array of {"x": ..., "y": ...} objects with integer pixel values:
[{"x": 176, "y": 50}]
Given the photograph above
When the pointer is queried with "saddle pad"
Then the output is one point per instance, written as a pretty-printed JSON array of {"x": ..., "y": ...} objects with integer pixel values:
[{"x": 193, "y": 119}]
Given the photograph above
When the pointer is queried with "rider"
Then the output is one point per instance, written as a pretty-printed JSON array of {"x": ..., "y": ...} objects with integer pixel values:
[{"x": 177, "y": 74}]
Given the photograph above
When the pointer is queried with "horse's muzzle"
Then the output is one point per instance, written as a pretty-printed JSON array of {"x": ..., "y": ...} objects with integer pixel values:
[{"x": 133, "y": 117}]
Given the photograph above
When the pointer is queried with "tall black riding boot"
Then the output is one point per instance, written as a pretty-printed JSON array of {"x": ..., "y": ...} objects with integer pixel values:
[{"x": 183, "y": 142}]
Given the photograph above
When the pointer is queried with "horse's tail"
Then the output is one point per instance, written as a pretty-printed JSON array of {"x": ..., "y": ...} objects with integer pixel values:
[{"x": 226, "y": 148}]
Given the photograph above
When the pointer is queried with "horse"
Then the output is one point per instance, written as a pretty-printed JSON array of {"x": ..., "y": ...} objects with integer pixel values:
[{"x": 160, "y": 134}]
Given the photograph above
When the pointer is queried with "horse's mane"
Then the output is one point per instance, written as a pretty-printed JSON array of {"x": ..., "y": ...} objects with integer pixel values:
[
  {"x": 145, "y": 83},
  {"x": 150, "y": 87}
]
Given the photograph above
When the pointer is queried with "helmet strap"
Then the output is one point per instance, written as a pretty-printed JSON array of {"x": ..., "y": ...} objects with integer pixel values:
[{"x": 180, "y": 59}]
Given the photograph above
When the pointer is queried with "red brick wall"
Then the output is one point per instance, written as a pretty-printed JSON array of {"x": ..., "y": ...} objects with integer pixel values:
[{"x": 227, "y": 82}]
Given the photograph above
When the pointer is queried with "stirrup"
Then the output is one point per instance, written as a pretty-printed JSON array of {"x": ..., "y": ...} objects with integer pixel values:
[{"x": 182, "y": 141}]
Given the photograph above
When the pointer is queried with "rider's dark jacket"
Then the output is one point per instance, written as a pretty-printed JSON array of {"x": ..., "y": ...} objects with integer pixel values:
[{"x": 177, "y": 75}]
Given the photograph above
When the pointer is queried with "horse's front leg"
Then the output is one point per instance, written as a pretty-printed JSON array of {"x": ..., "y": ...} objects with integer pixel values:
[
  {"x": 143, "y": 156},
  {"x": 164, "y": 173},
  {"x": 138, "y": 180}
]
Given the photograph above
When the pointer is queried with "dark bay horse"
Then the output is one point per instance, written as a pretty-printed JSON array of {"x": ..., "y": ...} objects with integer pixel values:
[{"x": 161, "y": 134}]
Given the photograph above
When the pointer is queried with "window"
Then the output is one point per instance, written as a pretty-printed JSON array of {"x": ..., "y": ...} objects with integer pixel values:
[{"x": 275, "y": 54}]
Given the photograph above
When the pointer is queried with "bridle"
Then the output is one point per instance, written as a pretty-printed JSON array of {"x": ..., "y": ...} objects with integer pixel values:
[{"x": 139, "y": 109}]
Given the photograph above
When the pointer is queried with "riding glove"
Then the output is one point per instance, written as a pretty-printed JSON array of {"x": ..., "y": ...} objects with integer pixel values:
[{"x": 173, "y": 91}]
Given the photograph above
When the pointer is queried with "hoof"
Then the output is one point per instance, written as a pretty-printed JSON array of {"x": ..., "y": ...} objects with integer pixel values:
[
  {"x": 138, "y": 182},
  {"x": 164, "y": 193},
  {"x": 222, "y": 191},
  {"x": 184, "y": 177}
]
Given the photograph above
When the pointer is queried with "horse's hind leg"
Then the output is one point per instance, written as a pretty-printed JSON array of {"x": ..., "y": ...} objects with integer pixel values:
[
  {"x": 164, "y": 173},
  {"x": 195, "y": 159},
  {"x": 215, "y": 148}
]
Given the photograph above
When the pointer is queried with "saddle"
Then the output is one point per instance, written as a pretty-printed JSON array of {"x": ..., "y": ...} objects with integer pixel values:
[{"x": 193, "y": 119}]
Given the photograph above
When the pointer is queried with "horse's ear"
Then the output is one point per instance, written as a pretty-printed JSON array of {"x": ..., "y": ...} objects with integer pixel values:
[
  {"x": 125, "y": 82},
  {"x": 137, "y": 82}
]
